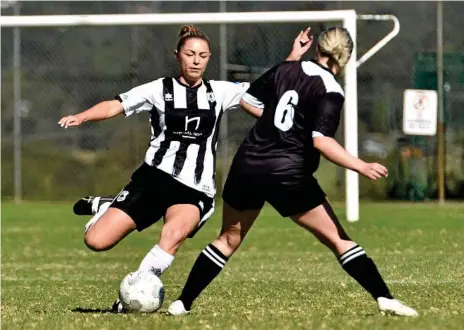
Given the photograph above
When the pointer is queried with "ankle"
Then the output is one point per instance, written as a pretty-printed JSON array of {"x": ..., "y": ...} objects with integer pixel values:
[{"x": 343, "y": 246}]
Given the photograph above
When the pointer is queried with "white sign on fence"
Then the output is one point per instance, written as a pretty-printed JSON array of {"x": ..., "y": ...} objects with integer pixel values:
[{"x": 420, "y": 112}]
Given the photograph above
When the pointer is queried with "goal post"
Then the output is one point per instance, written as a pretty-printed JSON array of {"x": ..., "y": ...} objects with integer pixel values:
[{"x": 347, "y": 17}]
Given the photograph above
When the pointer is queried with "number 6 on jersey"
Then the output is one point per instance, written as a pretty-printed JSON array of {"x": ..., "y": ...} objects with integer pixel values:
[{"x": 285, "y": 111}]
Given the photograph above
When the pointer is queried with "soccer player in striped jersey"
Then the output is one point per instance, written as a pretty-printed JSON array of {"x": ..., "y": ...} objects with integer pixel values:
[
  {"x": 299, "y": 106},
  {"x": 177, "y": 179}
]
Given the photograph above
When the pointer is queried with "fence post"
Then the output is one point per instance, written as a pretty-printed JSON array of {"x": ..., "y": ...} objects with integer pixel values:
[{"x": 17, "y": 109}]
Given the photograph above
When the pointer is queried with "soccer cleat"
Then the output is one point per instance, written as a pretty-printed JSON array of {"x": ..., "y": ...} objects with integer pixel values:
[
  {"x": 117, "y": 307},
  {"x": 394, "y": 307},
  {"x": 90, "y": 205},
  {"x": 177, "y": 308}
]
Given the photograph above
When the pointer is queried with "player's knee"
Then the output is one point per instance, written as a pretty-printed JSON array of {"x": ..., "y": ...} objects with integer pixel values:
[
  {"x": 231, "y": 237},
  {"x": 173, "y": 235},
  {"x": 95, "y": 243}
]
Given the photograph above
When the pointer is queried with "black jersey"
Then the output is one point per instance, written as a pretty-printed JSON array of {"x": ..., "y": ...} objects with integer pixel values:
[{"x": 300, "y": 100}]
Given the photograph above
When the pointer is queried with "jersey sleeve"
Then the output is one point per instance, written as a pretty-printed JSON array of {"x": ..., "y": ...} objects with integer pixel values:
[
  {"x": 141, "y": 98},
  {"x": 327, "y": 116},
  {"x": 260, "y": 89},
  {"x": 232, "y": 93}
]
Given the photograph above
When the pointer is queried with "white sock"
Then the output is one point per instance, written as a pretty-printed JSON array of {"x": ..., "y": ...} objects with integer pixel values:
[{"x": 156, "y": 259}]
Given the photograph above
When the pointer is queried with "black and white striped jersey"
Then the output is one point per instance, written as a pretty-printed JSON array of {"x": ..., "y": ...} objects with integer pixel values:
[
  {"x": 301, "y": 100},
  {"x": 184, "y": 125}
]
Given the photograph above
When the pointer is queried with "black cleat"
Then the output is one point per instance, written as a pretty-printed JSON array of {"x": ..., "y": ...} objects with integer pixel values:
[
  {"x": 117, "y": 307},
  {"x": 90, "y": 205}
]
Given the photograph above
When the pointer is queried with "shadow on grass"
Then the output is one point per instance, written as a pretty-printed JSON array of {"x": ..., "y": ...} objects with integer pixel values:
[
  {"x": 110, "y": 311},
  {"x": 93, "y": 310}
]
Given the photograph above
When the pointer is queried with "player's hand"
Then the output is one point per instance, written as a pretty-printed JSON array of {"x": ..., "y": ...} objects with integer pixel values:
[
  {"x": 301, "y": 44},
  {"x": 70, "y": 121},
  {"x": 373, "y": 171}
]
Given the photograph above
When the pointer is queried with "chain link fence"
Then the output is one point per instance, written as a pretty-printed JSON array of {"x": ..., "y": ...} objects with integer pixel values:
[{"x": 68, "y": 69}]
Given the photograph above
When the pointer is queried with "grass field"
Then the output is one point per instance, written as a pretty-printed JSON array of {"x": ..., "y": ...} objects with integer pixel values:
[{"x": 281, "y": 278}]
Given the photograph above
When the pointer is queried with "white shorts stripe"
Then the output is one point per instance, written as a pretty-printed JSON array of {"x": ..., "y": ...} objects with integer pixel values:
[
  {"x": 360, "y": 253},
  {"x": 207, "y": 215},
  {"x": 212, "y": 258},
  {"x": 214, "y": 254}
]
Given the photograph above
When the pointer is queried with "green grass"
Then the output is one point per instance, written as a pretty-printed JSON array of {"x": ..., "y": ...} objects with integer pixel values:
[{"x": 281, "y": 278}]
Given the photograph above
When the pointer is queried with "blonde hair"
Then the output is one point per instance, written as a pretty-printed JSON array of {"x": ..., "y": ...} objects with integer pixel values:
[
  {"x": 190, "y": 31},
  {"x": 337, "y": 45}
]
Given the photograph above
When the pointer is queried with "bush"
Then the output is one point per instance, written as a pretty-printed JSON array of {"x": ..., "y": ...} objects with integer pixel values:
[
  {"x": 53, "y": 173},
  {"x": 50, "y": 173}
]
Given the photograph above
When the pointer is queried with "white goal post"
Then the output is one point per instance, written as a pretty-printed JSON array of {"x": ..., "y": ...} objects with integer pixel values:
[{"x": 347, "y": 17}]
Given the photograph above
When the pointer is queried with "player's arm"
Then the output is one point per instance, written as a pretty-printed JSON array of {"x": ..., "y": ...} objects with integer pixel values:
[
  {"x": 101, "y": 111},
  {"x": 333, "y": 151},
  {"x": 257, "y": 95},
  {"x": 252, "y": 101},
  {"x": 234, "y": 97},
  {"x": 301, "y": 45},
  {"x": 140, "y": 98},
  {"x": 326, "y": 122},
  {"x": 251, "y": 110}
]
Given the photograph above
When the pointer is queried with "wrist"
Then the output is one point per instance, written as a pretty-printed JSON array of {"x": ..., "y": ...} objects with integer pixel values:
[
  {"x": 80, "y": 117},
  {"x": 358, "y": 165},
  {"x": 294, "y": 56}
]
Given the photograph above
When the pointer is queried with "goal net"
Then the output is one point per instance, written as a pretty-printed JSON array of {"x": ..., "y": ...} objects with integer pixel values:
[{"x": 57, "y": 65}]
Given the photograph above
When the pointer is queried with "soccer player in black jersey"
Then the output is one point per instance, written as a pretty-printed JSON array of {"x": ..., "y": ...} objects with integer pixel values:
[
  {"x": 298, "y": 105},
  {"x": 177, "y": 179}
]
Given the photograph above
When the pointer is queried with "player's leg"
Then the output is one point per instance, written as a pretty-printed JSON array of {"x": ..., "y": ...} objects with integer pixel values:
[
  {"x": 133, "y": 208},
  {"x": 242, "y": 204},
  {"x": 323, "y": 223},
  {"x": 109, "y": 230},
  {"x": 180, "y": 221},
  {"x": 214, "y": 256},
  {"x": 186, "y": 210},
  {"x": 92, "y": 205}
]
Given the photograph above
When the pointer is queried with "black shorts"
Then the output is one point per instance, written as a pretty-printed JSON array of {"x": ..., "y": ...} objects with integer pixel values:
[
  {"x": 151, "y": 192},
  {"x": 249, "y": 192}
]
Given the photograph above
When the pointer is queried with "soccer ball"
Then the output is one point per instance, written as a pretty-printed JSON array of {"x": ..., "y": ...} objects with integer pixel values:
[{"x": 141, "y": 291}]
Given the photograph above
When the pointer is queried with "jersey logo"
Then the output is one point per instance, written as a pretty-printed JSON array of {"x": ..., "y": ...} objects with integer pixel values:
[
  {"x": 168, "y": 97},
  {"x": 187, "y": 121},
  {"x": 122, "y": 196},
  {"x": 210, "y": 97}
]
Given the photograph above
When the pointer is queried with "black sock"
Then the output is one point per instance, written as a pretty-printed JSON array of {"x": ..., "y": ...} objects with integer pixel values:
[
  {"x": 360, "y": 267},
  {"x": 207, "y": 266}
]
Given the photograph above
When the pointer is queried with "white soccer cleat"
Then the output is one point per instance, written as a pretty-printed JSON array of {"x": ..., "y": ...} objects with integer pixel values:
[
  {"x": 395, "y": 307},
  {"x": 177, "y": 308}
]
